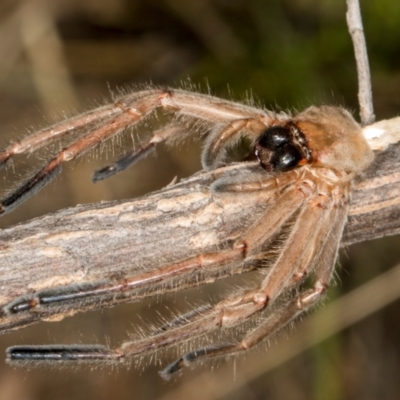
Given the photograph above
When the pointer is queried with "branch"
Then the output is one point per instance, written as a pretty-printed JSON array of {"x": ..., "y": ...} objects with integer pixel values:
[
  {"x": 356, "y": 30},
  {"x": 73, "y": 245}
]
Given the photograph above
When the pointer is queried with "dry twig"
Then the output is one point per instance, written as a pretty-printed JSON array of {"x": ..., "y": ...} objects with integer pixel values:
[
  {"x": 74, "y": 244},
  {"x": 356, "y": 30}
]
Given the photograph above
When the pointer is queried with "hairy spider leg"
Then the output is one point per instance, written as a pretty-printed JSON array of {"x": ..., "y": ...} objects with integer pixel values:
[
  {"x": 286, "y": 312},
  {"x": 134, "y": 108},
  {"x": 165, "y": 134},
  {"x": 214, "y": 149},
  {"x": 30, "y": 308},
  {"x": 57, "y": 131},
  {"x": 312, "y": 254},
  {"x": 227, "y": 313},
  {"x": 53, "y": 168},
  {"x": 223, "y": 138}
]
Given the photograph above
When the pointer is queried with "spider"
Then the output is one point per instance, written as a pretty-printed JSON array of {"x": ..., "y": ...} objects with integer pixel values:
[{"x": 303, "y": 173}]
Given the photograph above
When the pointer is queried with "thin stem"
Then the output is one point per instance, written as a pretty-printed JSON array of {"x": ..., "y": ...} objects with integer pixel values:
[{"x": 356, "y": 30}]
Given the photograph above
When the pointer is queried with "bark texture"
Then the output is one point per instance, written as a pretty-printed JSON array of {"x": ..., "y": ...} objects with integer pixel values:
[{"x": 114, "y": 239}]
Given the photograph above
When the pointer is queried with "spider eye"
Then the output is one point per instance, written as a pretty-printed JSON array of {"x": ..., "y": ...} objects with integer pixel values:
[
  {"x": 286, "y": 158},
  {"x": 281, "y": 147},
  {"x": 274, "y": 137}
]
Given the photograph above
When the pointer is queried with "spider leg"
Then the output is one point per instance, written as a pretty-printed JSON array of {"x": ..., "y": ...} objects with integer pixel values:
[
  {"x": 222, "y": 138},
  {"x": 51, "y": 170},
  {"x": 125, "y": 112},
  {"x": 277, "y": 320},
  {"x": 227, "y": 313},
  {"x": 239, "y": 182},
  {"x": 166, "y": 134},
  {"x": 304, "y": 270},
  {"x": 287, "y": 204},
  {"x": 59, "y": 300},
  {"x": 208, "y": 107},
  {"x": 286, "y": 312},
  {"x": 44, "y": 136},
  {"x": 67, "y": 299},
  {"x": 213, "y": 153}
]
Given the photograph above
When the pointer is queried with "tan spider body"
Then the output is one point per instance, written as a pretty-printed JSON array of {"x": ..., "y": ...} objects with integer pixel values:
[{"x": 304, "y": 174}]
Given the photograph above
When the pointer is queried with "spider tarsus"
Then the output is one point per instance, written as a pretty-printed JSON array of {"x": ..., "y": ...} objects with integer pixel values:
[
  {"x": 59, "y": 353},
  {"x": 176, "y": 366},
  {"x": 125, "y": 162},
  {"x": 33, "y": 185},
  {"x": 171, "y": 370},
  {"x": 192, "y": 358},
  {"x": 24, "y": 305}
]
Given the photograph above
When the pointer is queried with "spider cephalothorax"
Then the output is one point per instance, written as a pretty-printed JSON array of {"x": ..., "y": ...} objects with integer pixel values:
[{"x": 313, "y": 156}]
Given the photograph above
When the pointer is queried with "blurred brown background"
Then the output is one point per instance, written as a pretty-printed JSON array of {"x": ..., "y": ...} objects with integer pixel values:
[{"x": 63, "y": 56}]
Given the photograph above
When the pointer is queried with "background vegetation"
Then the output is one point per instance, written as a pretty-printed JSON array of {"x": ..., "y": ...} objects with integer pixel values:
[{"x": 63, "y": 56}]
